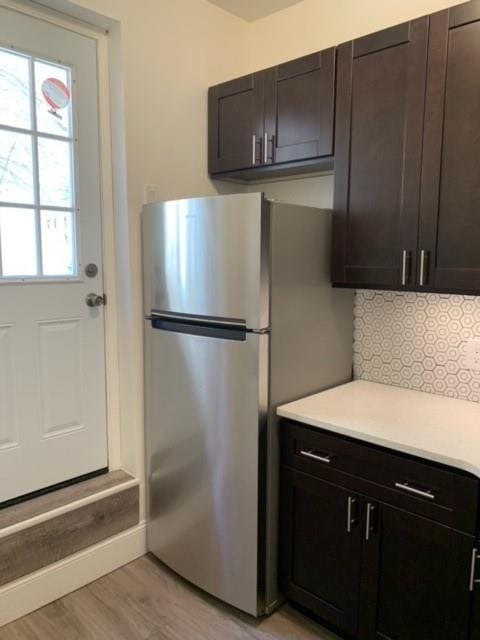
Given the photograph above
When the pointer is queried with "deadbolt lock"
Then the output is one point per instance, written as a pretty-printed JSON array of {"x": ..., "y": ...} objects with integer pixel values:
[{"x": 91, "y": 270}]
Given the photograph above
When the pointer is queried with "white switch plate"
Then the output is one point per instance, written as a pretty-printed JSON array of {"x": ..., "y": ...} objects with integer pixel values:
[
  {"x": 472, "y": 360},
  {"x": 150, "y": 193}
]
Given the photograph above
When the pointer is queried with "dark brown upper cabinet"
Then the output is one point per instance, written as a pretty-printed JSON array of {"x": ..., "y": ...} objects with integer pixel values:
[
  {"x": 449, "y": 232},
  {"x": 278, "y": 121},
  {"x": 378, "y": 153},
  {"x": 407, "y": 156},
  {"x": 236, "y": 114},
  {"x": 299, "y": 108}
]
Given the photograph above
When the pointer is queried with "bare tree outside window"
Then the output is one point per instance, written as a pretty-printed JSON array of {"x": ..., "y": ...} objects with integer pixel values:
[{"x": 37, "y": 195}]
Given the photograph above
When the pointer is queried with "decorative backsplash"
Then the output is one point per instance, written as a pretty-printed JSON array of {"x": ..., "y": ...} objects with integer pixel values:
[{"x": 417, "y": 341}]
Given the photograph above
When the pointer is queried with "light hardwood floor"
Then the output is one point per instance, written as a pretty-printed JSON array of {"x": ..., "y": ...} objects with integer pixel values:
[{"x": 145, "y": 601}]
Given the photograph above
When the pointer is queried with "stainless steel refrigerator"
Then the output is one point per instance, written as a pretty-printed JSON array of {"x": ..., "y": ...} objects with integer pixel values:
[{"x": 240, "y": 317}]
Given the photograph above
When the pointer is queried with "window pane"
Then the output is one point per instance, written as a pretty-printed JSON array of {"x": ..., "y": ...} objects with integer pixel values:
[
  {"x": 58, "y": 243},
  {"x": 18, "y": 241},
  {"x": 16, "y": 173},
  {"x": 55, "y": 168},
  {"x": 53, "y": 99},
  {"x": 14, "y": 90}
]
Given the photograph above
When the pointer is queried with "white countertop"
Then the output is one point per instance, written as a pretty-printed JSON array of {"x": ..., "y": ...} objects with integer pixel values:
[{"x": 422, "y": 424}]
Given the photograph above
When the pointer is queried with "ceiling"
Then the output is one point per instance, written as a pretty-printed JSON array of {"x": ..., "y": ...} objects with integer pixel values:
[{"x": 253, "y": 9}]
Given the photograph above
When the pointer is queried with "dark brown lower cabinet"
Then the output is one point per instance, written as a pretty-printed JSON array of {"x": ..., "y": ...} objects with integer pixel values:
[
  {"x": 371, "y": 553},
  {"x": 419, "y": 579},
  {"x": 320, "y": 566},
  {"x": 475, "y": 628}
]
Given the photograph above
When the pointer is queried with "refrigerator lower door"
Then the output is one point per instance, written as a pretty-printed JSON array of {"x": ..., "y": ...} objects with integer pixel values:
[
  {"x": 206, "y": 404},
  {"x": 208, "y": 257}
]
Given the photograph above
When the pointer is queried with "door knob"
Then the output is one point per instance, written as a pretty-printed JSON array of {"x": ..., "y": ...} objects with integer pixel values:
[{"x": 95, "y": 300}]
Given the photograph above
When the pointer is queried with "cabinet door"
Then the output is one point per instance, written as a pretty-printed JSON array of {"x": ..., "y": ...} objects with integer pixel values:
[
  {"x": 299, "y": 108},
  {"x": 475, "y": 585},
  {"x": 420, "y": 579},
  {"x": 378, "y": 144},
  {"x": 235, "y": 127},
  {"x": 320, "y": 548},
  {"x": 450, "y": 204}
]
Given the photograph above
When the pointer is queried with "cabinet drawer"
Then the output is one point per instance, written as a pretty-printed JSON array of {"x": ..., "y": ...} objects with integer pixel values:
[{"x": 421, "y": 487}]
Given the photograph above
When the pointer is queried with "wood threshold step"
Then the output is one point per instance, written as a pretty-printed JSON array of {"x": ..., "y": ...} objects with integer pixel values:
[{"x": 47, "y": 529}]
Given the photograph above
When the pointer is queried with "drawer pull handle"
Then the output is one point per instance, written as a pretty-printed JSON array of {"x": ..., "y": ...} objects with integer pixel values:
[
  {"x": 309, "y": 454},
  {"x": 418, "y": 492}
]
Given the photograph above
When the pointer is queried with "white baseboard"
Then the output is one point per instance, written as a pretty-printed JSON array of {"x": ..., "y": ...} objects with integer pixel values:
[{"x": 46, "y": 585}]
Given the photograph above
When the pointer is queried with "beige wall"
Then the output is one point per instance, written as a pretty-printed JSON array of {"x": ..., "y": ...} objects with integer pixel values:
[
  {"x": 171, "y": 51},
  {"x": 316, "y": 24},
  {"x": 316, "y": 191}
]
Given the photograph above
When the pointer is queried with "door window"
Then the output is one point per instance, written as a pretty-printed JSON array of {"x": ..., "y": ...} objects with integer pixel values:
[{"x": 37, "y": 168}]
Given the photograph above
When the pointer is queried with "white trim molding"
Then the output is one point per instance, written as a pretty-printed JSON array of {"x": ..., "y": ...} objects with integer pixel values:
[{"x": 57, "y": 580}]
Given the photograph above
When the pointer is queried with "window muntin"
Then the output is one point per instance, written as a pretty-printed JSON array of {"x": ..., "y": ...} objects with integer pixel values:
[{"x": 38, "y": 226}]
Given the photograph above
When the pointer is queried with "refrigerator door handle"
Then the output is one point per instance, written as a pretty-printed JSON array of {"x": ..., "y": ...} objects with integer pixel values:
[
  {"x": 195, "y": 319},
  {"x": 223, "y": 332}
]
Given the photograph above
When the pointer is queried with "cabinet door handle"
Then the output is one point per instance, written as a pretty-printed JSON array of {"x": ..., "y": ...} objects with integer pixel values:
[
  {"x": 254, "y": 149},
  {"x": 405, "y": 256},
  {"x": 309, "y": 454},
  {"x": 404, "y": 486},
  {"x": 475, "y": 557},
  {"x": 423, "y": 267},
  {"x": 351, "y": 519},
  {"x": 369, "y": 526},
  {"x": 265, "y": 148}
]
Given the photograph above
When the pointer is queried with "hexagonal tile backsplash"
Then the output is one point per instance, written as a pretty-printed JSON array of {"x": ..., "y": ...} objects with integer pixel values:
[{"x": 417, "y": 341}]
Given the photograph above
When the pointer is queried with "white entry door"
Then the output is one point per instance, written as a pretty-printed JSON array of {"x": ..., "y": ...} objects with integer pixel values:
[{"x": 52, "y": 345}]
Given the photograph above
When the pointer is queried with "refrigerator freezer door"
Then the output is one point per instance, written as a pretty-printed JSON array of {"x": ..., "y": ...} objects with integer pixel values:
[
  {"x": 206, "y": 406},
  {"x": 208, "y": 257}
]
